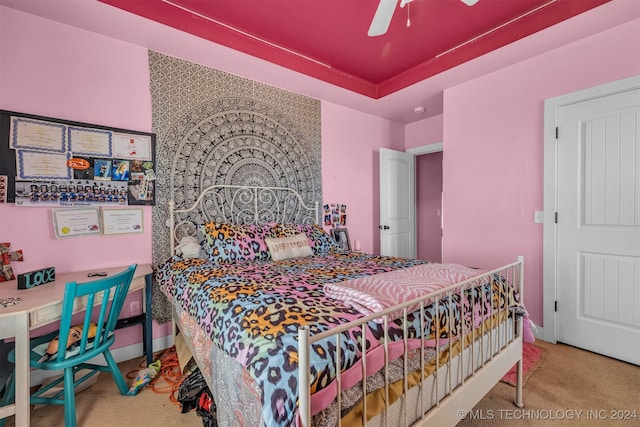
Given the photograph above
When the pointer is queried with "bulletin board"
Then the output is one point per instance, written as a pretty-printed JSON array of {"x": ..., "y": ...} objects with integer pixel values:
[{"x": 58, "y": 163}]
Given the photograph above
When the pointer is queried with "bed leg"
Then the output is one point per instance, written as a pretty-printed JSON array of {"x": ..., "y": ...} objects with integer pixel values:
[{"x": 518, "y": 401}]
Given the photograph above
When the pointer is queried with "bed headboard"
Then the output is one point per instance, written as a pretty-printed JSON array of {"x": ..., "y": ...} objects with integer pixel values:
[{"x": 239, "y": 204}]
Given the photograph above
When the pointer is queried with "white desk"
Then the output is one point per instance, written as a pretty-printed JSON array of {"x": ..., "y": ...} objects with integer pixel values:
[{"x": 43, "y": 305}]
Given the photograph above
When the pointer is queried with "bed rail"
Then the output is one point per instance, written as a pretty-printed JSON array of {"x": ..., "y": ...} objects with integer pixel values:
[
  {"x": 239, "y": 204},
  {"x": 493, "y": 348}
]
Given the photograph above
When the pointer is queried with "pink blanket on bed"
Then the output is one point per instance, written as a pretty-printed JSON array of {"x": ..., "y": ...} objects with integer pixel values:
[{"x": 373, "y": 294}]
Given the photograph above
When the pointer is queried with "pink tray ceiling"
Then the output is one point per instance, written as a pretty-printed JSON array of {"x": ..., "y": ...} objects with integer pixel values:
[{"x": 327, "y": 39}]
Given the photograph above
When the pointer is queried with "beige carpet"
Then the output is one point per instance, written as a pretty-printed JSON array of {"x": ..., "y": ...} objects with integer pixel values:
[
  {"x": 571, "y": 388},
  {"x": 570, "y": 380},
  {"x": 101, "y": 405}
]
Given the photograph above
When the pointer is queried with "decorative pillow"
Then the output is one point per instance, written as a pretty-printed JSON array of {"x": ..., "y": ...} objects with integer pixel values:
[
  {"x": 231, "y": 243},
  {"x": 189, "y": 247},
  {"x": 254, "y": 235},
  {"x": 289, "y": 247},
  {"x": 319, "y": 240}
]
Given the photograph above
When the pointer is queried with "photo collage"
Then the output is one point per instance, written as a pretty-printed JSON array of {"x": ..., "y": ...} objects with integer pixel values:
[
  {"x": 64, "y": 164},
  {"x": 335, "y": 215}
]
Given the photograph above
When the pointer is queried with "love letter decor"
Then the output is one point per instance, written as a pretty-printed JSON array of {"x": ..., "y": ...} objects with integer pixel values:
[{"x": 36, "y": 278}]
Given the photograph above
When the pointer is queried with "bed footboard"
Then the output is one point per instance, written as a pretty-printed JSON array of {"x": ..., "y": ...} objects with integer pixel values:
[{"x": 466, "y": 365}]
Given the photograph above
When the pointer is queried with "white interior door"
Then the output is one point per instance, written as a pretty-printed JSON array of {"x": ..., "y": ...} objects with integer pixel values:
[
  {"x": 397, "y": 203},
  {"x": 598, "y": 225}
]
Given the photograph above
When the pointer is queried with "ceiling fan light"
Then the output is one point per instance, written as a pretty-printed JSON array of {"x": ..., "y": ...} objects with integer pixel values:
[{"x": 469, "y": 2}]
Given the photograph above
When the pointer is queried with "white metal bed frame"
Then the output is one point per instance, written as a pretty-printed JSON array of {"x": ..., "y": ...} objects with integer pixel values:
[
  {"x": 266, "y": 204},
  {"x": 459, "y": 398},
  {"x": 474, "y": 385}
]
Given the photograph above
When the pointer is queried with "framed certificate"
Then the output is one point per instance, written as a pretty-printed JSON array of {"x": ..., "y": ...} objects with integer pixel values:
[
  {"x": 32, "y": 134},
  {"x": 42, "y": 165},
  {"x": 122, "y": 221},
  {"x": 133, "y": 147},
  {"x": 90, "y": 142},
  {"x": 76, "y": 222}
]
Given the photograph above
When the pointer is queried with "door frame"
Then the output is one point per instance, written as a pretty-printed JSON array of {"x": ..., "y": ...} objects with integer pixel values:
[
  {"x": 549, "y": 247},
  {"x": 436, "y": 147}
]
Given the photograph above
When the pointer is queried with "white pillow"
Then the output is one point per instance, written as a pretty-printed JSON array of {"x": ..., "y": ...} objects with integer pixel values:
[
  {"x": 188, "y": 247},
  {"x": 288, "y": 247}
]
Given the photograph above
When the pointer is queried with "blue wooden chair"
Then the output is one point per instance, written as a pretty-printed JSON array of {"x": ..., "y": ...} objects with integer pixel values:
[{"x": 104, "y": 299}]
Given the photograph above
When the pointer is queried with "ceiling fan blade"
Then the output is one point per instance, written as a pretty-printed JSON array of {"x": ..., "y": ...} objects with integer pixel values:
[
  {"x": 382, "y": 18},
  {"x": 469, "y": 2}
]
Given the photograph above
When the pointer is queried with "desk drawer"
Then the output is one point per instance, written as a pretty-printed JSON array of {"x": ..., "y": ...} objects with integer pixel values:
[
  {"x": 52, "y": 313},
  {"x": 45, "y": 315}
]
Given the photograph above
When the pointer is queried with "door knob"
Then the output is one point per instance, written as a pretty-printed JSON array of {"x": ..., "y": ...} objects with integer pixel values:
[{"x": 383, "y": 227}]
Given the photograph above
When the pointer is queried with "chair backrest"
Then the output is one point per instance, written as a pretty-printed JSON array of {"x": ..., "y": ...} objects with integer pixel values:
[{"x": 104, "y": 299}]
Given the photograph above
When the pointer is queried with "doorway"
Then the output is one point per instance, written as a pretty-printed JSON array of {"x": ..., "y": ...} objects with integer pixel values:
[
  {"x": 429, "y": 206},
  {"x": 411, "y": 193}
]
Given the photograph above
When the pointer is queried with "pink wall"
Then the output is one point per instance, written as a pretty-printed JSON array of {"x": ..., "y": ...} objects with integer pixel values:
[
  {"x": 429, "y": 206},
  {"x": 56, "y": 70},
  {"x": 492, "y": 129},
  {"x": 59, "y": 71},
  {"x": 350, "y": 167},
  {"x": 423, "y": 132},
  {"x": 493, "y": 144}
]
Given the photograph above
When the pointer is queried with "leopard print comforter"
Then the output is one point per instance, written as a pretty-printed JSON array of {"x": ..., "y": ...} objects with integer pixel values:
[{"x": 253, "y": 310}]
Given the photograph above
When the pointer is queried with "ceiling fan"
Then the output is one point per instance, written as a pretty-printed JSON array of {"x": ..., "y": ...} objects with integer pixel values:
[{"x": 384, "y": 13}]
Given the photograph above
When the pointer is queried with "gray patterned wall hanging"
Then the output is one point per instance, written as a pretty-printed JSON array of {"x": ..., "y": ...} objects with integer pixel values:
[{"x": 216, "y": 128}]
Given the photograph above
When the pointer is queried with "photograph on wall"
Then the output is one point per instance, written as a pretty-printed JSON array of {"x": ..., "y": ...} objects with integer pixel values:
[
  {"x": 82, "y": 167},
  {"x": 141, "y": 183},
  {"x": 102, "y": 169},
  {"x": 342, "y": 209},
  {"x": 335, "y": 215},
  {"x": 70, "y": 193},
  {"x": 120, "y": 170}
]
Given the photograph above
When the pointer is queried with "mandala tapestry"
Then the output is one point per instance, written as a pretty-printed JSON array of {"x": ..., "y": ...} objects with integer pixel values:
[{"x": 216, "y": 128}]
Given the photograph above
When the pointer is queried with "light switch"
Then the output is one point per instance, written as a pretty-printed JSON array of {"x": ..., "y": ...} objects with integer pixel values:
[{"x": 538, "y": 217}]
